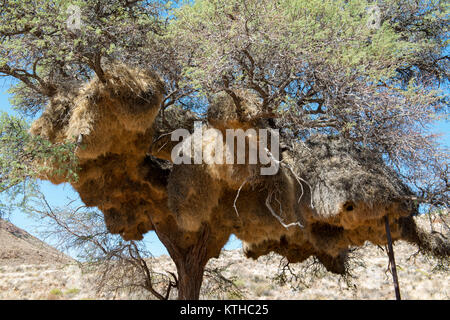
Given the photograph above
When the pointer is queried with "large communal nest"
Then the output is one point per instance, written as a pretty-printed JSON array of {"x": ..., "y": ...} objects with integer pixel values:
[
  {"x": 349, "y": 191},
  {"x": 112, "y": 123},
  {"x": 226, "y": 112},
  {"x": 350, "y": 185},
  {"x": 327, "y": 195},
  {"x": 166, "y": 122},
  {"x": 104, "y": 117}
]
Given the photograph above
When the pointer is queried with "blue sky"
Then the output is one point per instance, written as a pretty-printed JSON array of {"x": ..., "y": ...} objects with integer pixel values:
[{"x": 59, "y": 195}]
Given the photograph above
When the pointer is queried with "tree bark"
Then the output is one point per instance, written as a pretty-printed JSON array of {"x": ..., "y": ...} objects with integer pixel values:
[
  {"x": 190, "y": 261},
  {"x": 190, "y": 278},
  {"x": 191, "y": 265}
]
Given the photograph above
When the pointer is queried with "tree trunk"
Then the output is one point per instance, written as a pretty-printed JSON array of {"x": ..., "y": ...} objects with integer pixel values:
[
  {"x": 190, "y": 266},
  {"x": 190, "y": 278},
  {"x": 190, "y": 261}
]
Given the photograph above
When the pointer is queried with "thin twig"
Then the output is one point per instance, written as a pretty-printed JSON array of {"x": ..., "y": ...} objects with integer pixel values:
[
  {"x": 237, "y": 196},
  {"x": 299, "y": 179},
  {"x": 269, "y": 197}
]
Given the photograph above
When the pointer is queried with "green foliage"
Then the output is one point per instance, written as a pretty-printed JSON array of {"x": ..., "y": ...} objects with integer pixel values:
[
  {"x": 72, "y": 291},
  {"x": 315, "y": 65},
  {"x": 239, "y": 283},
  {"x": 56, "y": 292},
  {"x": 321, "y": 66},
  {"x": 23, "y": 158},
  {"x": 41, "y": 46},
  {"x": 299, "y": 34}
]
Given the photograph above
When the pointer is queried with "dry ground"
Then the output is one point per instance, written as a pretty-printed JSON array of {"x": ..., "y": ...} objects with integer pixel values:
[{"x": 46, "y": 274}]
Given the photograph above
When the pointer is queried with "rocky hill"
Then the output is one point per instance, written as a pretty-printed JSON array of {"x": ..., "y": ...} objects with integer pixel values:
[
  {"x": 30, "y": 269},
  {"x": 19, "y": 247}
]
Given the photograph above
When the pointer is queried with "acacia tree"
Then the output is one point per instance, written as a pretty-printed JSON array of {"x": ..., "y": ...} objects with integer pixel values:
[{"x": 367, "y": 74}]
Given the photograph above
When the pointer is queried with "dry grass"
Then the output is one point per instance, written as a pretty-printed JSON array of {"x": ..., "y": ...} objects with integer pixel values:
[{"x": 418, "y": 276}]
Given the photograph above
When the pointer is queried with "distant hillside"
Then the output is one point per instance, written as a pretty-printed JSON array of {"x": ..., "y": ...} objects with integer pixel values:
[{"x": 19, "y": 247}]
